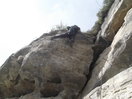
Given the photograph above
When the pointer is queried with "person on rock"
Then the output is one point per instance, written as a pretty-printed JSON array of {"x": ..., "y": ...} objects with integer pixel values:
[{"x": 72, "y": 31}]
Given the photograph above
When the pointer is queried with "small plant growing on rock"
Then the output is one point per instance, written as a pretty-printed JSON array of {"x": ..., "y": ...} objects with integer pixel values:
[
  {"x": 58, "y": 28},
  {"x": 101, "y": 16}
]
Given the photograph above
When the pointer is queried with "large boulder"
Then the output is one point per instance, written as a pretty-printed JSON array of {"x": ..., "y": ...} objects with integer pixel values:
[
  {"x": 118, "y": 87},
  {"x": 115, "y": 58},
  {"x": 47, "y": 69}
]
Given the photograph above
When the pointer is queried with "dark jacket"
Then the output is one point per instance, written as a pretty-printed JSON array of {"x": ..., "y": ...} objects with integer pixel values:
[{"x": 73, "y": 30}]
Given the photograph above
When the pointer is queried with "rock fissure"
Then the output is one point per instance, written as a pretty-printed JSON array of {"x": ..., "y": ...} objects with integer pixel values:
[
  {"x": 52, "y": 69},
  {"x": 112, "y": 61},
  {"x": 97, "y": 50}
]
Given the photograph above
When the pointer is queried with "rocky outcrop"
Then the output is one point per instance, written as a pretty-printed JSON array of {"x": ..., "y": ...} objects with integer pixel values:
[
  {"x": 60, "y": 69},
  {"x": 114, "y": 59},
  {"x": 114, "y": 19},
  {"x": 118, "y": 87},
  {"x": 47, "y": 69}
]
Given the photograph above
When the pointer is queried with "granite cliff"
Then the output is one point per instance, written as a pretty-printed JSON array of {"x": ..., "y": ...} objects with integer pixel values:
[{"x": 95, "y": 67}]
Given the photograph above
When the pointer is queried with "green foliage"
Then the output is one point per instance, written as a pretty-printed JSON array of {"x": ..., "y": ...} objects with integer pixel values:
[
  {"x": 101, "y": 16},
  {"x": 59, "y": 27},
  {"x": 104, "y": 11}
]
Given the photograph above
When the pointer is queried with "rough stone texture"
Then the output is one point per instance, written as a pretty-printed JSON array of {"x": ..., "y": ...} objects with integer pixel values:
[
  {"x": 114, "y": 19},
  {"x": 118, "y": 87},
  {"x": 114, "y": 59},
  {"x": 55, "y": 69},
  {"x": 47, "y": 69}
]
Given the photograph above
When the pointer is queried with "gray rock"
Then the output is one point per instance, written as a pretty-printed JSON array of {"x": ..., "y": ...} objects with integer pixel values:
[
  {"x": 47, "y": 69},
  {"x": 114, "y": 59},
  {"x": 118, "y": 87},
  {"x": 57, "y": 69},
  {"x": 114, "y": 19}
]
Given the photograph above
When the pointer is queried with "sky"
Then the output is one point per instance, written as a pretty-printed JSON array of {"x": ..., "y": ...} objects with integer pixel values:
[{"x": 22, "y": 21}]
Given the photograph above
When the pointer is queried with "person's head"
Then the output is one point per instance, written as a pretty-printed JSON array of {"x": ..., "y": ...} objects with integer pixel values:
[
  {"x": 68, "y": 27},
  {"x": 77, "y": 28}
]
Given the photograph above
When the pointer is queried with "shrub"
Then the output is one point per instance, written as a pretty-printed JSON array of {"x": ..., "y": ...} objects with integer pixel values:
[
  {"x": 101, "y": 16},
  {"x": 59, "y": 27}
]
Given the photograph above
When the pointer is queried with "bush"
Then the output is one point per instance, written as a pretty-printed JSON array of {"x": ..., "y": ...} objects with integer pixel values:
[
  {"x": 59, "y": 27},
  {"x": 101, "y": 16},
  {"x": 104, "y": 11}
]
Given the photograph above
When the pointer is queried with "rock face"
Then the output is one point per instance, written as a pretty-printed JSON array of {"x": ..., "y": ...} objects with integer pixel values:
[
  {"x": 118, "y": 87},
  {"x": 114, "y": 19},
  {"x": 47, "y": 69},
  {"x": 114, "y": 59},
  {"x": 60, "y": 69}
]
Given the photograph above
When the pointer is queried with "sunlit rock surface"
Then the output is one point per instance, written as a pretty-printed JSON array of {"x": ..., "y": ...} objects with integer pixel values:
[
  {"x": 115, "y": 58},
  {"x": 59, "y": 69},
  {"x": 114, "y": 19},
  {"x": 118, "y": 87},
  {"x": 47, "y": 69}
]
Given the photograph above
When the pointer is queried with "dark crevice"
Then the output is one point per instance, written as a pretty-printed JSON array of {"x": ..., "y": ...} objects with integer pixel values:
[
  {"x": 1, "y": 94},
  {"x": 56, "y": 80},
  {"x": 50, "y": 91},
  {"x": 97, "y": 50},
  {"x": 30, "y": 81},
  {"x": 47, "y": 94},
  {"x": 17, "y": 79},
  {"x": 22, "y": 93},
  {"x": 20, "y": 88}
]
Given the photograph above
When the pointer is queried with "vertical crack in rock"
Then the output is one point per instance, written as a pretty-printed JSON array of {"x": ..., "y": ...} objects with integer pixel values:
[{"x": 97, "y": 50}]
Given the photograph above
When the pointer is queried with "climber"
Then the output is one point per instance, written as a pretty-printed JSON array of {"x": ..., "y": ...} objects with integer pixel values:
[{"x": 72, "y": 31}]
